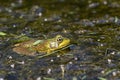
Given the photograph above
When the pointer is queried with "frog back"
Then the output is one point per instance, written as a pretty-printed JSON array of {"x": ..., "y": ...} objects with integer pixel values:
[{"x": 24, "y": 48}]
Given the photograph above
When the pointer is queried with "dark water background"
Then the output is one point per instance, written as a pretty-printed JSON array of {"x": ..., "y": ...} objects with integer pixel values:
[{"x": 92, "y": 25}]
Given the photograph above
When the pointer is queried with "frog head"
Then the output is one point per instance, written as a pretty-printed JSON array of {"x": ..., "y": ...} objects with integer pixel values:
[{"x": 59, "y": 42}]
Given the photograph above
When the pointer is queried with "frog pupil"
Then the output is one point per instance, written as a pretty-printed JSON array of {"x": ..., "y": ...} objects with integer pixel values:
[{"x": 59, "y": 39}]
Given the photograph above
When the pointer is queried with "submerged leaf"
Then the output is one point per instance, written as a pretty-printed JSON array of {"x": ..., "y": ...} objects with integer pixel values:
[
  {"x": 2, "y": 34},
  {"x": 48, "y": 78},
  {"x": 20, "y": 38},
  {"x": 101, "y": 78}
]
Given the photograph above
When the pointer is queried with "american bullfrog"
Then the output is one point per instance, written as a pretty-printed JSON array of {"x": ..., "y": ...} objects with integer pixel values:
[{"x": 32, "y": 46}]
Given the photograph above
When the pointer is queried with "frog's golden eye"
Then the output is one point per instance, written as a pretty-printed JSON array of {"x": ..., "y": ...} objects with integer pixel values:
[{"x": 59, "y": 39}]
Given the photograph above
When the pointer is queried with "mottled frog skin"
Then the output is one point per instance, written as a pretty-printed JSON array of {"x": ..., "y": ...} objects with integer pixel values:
[{"x": 31, "y": 47}]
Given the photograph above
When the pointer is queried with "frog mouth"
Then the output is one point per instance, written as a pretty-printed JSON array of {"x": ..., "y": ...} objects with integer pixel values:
[{"x": 67, "y": 41}]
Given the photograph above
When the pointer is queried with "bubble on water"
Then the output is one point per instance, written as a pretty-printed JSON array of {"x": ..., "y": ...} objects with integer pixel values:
[
  {"x": 1, "y": 79},
  {"x": 40, "y": 14},
  {"x": 102, "y": 72},
  {"x": 70, "y": 63},
  {"x": 20, "y": 1},
  {"x": 8, "y": 10},
  {"x": 12, "y": 65},
  {"x": 39, "y": 78},
  {"x": 51, "y": 60},
  {"x": 74, "y": 78},
  {"x": 98, "y": 40},
  {"x": 10, "y": 57},
  {"x": 45, "y": 19},
  {"x": 58, "y": 56},
  {"x": 112, "y": 53},
  {"x": 114, "y": 73},
  {"x": 75, "y": 58},
  {"x": 49, "y": 71},
  {"x": 109, "y": 61},
  {"x": 93, "y": 5},
  {"x": 22, "y": 62},
  {"x": 101, "y": 44}
]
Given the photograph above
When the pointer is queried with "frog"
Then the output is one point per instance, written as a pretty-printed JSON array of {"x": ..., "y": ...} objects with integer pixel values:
[{"x": 47, "y": 46}]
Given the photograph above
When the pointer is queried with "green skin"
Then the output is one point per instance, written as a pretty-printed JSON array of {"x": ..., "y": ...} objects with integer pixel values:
[{"x": 48, "y": 46}]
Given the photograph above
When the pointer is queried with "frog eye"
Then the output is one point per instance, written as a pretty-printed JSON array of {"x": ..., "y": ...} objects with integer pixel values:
[{"x": 60, "y": 39}]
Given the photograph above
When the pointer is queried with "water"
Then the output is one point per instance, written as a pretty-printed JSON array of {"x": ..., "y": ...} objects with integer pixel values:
[{"x": 92, "y": 26}]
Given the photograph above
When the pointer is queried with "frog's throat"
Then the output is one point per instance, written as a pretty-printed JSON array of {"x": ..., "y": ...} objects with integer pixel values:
[{"x": 65, "y": 43}]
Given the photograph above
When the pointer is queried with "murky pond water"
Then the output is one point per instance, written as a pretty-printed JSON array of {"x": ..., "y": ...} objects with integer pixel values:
[{"x": 93, "y": 26}]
